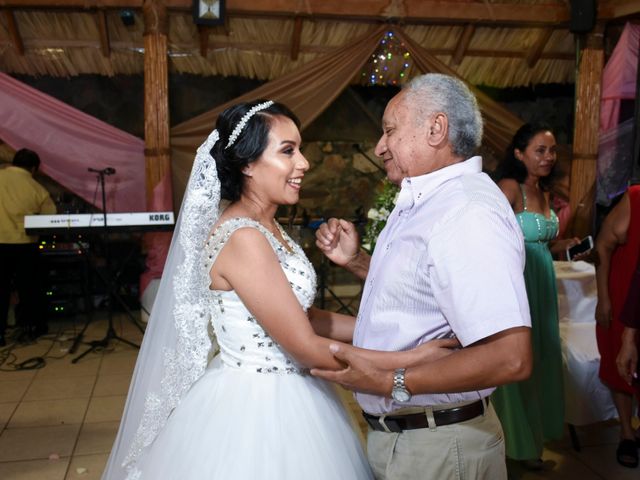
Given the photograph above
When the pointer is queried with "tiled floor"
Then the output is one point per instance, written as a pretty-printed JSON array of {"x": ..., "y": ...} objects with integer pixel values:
[{"x": 58, "y": 422}]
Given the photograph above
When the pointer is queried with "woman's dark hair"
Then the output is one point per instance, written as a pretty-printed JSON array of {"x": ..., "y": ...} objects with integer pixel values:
[
  {"x": 511, "y": 167},
  {"x": 249, "y": 145},
  {"x": 26, "y": 158}
]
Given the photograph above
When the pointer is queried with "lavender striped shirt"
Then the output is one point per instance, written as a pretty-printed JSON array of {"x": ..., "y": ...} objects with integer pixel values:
[{"x": 449, "y": 262}]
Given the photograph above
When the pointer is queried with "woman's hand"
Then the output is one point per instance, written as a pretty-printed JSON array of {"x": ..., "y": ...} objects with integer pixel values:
[
  {"x": 338, "y": 240},
  {"x": 559, "y": 247},
  {"x": 603, "y": 312},
  {"x": 627, "y": 359}
]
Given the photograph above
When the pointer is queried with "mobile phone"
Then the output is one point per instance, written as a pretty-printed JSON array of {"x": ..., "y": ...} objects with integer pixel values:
[{"x": 584, "y": 246}]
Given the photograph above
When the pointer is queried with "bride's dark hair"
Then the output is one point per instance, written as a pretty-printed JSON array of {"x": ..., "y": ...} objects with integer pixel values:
[{"x": 248, "y": 146}]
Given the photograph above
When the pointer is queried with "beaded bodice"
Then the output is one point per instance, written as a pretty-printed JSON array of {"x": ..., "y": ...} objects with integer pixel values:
[
  {"x": 244, "y": 344},
  {"x": 536, "y": 228}
]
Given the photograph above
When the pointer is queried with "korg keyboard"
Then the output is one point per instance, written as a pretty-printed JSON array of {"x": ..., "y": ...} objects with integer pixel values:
[{"x": 92, "y": 222}]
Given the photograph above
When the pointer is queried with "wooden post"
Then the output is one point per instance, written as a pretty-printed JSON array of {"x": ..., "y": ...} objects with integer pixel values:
[
  {"x": 156, "y": 97},
  {"x": 585, "y": 133},
  {"x": 14, "y": 32}
]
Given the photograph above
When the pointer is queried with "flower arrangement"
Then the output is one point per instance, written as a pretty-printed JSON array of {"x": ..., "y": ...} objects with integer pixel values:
[{"x": 378, "y": 214}]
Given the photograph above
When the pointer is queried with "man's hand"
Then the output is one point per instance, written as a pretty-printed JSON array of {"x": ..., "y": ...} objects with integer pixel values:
[
  {"x": 339, "y": 241},
  {"x": 372, "y": 371},
  {"x": 627, "y": 360},
  {"x": 359, "y": 374}
]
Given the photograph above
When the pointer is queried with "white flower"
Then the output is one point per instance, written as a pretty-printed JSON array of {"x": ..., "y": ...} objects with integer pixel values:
[{"x": 373, "y": 214}]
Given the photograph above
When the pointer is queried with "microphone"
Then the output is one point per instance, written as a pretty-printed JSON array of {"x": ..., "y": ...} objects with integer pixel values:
[{"x": 104, "y": 171}]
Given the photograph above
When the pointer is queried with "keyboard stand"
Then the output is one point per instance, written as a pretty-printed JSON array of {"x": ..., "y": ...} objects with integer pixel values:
[{"x": 112, "y": 294}]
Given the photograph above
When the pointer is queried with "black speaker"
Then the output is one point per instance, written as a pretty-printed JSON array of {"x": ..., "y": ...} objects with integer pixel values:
[{"x": 583, "y": 15}]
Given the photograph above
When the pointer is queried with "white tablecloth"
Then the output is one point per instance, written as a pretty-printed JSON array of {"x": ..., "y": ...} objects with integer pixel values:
[{"x": 587, "y": 400}]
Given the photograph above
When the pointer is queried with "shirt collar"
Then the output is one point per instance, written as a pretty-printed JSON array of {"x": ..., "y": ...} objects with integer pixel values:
[
  {"x": 416, "y": 189},
  {"x": 19, "y": 169}
]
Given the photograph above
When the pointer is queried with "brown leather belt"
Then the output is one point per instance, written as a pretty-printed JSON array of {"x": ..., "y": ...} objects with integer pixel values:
[{"x": 447, "y": 416}]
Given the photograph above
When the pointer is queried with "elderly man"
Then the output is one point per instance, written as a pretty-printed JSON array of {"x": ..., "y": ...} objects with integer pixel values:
[{"x": 448, "y": 263}]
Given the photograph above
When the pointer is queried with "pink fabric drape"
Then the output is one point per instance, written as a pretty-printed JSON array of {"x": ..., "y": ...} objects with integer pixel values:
[
  {"x": 619, "y": 76},
  {"x": 69, "y": 141},
  {"x": 615, "y": 146}
]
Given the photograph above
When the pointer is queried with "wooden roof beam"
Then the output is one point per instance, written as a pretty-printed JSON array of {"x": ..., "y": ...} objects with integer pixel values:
[
  {"x": 295, "y": 38},
  {"x": 611, "y": 9},
  {"x": 14, "y": 32},
  {"x": 204, "y": 32},
  {"x": 463, "y": 44},
  {"x": 43, "y": 43},
  {"x": 412, "y": 11},
  {"x": 535, "y": 52},
  {"x": 423, "y": 10},
  {"x": 103, "y": 31}
]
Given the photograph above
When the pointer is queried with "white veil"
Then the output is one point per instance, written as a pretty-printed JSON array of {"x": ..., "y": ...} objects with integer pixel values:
[{"x": 177, "y": 345}]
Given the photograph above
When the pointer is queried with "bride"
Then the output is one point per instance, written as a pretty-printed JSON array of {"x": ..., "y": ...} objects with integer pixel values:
[{"x": 252, "y": 411}]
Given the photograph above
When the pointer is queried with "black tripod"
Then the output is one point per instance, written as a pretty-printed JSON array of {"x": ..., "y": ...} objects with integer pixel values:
[{"x": 108, "y": 280}]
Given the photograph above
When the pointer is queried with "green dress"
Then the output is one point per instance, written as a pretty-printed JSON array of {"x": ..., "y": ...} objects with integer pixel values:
[{"x": 532, "y": 411}]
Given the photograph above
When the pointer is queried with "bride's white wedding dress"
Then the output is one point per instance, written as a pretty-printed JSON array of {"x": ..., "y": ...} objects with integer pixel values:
[{"x": 255, "y": 414}]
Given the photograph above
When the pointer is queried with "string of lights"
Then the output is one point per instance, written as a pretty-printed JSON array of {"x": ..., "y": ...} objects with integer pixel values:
[{"x": 390, "y": 62}]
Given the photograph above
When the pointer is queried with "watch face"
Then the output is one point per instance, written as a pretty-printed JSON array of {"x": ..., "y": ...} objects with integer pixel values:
[{"x": 400, "y": 395}]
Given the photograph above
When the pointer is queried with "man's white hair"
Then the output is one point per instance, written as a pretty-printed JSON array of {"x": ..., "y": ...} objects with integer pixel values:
[{"x": 438, "y": 93}]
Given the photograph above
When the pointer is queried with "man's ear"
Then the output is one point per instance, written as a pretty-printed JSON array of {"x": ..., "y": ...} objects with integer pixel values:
[{"x": 439, "y": 129}]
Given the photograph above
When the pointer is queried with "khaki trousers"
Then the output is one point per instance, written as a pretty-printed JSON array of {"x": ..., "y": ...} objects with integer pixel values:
[{"x": 471, "y": 450}]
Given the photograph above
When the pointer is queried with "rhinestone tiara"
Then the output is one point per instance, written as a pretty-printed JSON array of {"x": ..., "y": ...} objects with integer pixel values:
[{"x": 243, "y": 121}]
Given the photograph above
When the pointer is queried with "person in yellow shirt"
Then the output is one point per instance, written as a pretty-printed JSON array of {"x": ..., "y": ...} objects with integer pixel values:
[{"x": 21, "y": 195}]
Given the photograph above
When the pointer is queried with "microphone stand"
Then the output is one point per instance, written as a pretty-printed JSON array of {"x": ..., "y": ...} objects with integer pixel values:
[
  {"x": 358, "y": 148},
  {"x": 111, "y": 333}
]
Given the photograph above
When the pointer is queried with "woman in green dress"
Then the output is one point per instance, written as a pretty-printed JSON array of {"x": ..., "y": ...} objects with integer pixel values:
[{"x": 532, "y": 411}]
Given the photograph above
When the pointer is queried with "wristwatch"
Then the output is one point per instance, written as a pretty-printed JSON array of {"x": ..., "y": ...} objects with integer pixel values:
[{"x": 399, "y": 392}]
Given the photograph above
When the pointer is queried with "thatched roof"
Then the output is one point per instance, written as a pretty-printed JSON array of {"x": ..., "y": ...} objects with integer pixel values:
[{"x": 497, "y": 43}]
